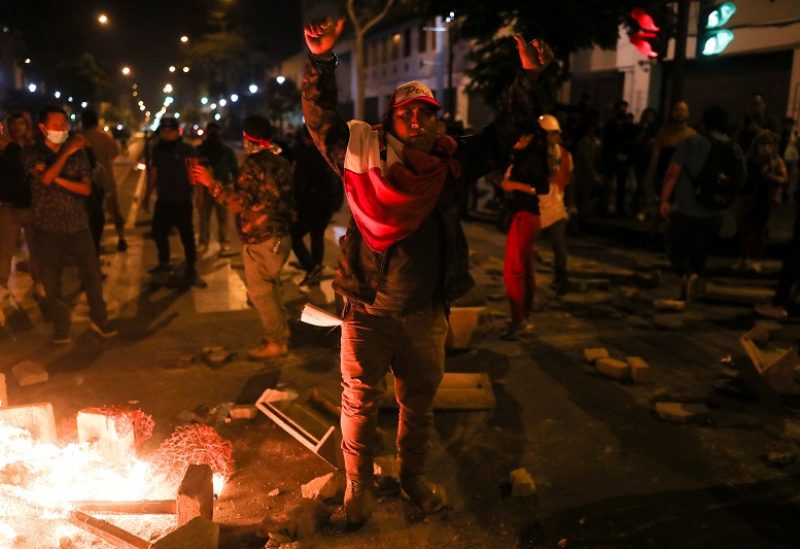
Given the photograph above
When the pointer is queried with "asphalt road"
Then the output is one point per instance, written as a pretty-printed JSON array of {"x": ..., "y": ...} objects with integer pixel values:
[{"x": 608, "y": 472}]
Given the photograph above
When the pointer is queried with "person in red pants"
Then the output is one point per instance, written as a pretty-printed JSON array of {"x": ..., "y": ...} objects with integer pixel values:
[{"x": 526, "y": 178}]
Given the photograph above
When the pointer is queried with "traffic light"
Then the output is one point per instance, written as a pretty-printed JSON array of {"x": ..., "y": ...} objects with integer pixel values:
[
  {"x": 712, "y": 37},
  {"x": 644, "y": 33}
]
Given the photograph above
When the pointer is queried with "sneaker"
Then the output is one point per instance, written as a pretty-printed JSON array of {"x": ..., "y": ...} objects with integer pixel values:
[
  {"x": 160, "y": 268},
  {"x": 193, "y": 279},
  {"x": 429, "y": 497},
  {"x": 269, "y": 350},
  {"x": 358, "y": 502},
  {"x": 106, "y": 331},
  {"x": 771, "y": 311},
  {"x": 312, "y": 278},
  {"x": 122, "y": 245},
  {"x": 514, "y": 329},
  {"x": 62, "y": 339}
]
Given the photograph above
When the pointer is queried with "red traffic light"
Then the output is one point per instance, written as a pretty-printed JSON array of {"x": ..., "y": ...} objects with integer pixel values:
[
  {"x": 640, "y": 40},
  {"x": 645, "y": 20}
]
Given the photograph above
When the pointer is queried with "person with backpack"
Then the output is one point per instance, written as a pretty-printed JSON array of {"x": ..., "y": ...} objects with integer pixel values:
[{"x": 705, "y": 174}]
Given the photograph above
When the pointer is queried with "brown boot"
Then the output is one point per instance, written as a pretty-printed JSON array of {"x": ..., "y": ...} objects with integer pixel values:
[
  {"x": 429, "y": 497},
  {"x": 358, "y": 502},
  {"x": 269, "y": 350}
]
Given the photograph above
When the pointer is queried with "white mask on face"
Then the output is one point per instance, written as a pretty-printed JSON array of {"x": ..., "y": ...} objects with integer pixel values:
[{"x": 57, "y": 137}]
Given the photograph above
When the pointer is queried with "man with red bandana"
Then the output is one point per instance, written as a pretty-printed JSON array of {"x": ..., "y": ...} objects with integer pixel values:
[
  {"x": 261, "y": 198},
  {"x": 404, "y": 256}
]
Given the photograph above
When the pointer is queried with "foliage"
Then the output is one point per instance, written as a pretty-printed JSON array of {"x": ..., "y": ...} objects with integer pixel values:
[{"x": 567, "y": 25}]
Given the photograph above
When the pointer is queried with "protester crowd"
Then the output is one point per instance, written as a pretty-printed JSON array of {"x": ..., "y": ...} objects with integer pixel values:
[{"x": 404, "y": 257}]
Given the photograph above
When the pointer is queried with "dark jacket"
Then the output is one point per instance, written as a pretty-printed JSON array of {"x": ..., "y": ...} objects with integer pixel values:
[{"x": 362, "y": 272}]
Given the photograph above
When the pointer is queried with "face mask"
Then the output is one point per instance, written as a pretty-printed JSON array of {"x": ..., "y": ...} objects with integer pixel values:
[{"x": 57, "y": 137}]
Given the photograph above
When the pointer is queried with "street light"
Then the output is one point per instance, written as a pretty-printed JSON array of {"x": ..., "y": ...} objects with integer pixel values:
[
  {"x": 84, "y": 104},
  {"x": 222, "y": 102},
  {"x": 126, "y": 71},
  {"x": 234, "y": 98},
  {"x": 27, "y": 60},
  {"x": 57, "y": 94},
  {"x": 253, "y": 88},
  {"x": 186, "y": 69},
  {"x": 168, "y": 88},
  {"x": 204, "y": 100},
  {"x": 184, "y": 39},
  {"x": 172, "y": 68},
  {"x": 102, "y": 19},
  {"x": 212, "y": 106},
  {"x": 280, "y": 79},
  {"x": 32, "y": 88}
]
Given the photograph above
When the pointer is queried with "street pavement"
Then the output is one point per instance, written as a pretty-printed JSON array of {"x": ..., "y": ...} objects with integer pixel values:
[{"x": 608, "y": 471}]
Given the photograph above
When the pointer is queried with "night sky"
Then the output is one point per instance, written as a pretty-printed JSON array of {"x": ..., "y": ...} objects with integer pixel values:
[{"x": 145, "y": 34}]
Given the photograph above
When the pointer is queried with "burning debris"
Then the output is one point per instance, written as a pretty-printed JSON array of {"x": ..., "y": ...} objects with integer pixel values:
[{"x": 55, "y": 495}]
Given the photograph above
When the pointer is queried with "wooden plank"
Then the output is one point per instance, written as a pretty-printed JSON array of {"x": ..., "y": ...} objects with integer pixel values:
[
  {"x": 106, "y": 531},
  {"x": 138, "y": 507},
  {"x": 458, "y": 391}
]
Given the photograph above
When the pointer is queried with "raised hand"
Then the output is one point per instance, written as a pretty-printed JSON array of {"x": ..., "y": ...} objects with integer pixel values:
[
  {"x": 535, "y": 55},
  {"x": 322, "y": 34}
]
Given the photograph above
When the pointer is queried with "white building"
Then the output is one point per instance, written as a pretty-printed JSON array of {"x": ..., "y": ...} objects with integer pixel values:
[
  {"x": 764, "y": 56},
  {"x": 396, "y": 51}
]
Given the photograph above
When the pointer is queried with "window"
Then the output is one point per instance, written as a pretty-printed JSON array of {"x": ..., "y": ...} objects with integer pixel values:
[
  {"x": 384, "y": 51},
  {"x": 422, "y": 39},
  {"x": 407, "y": 42}
]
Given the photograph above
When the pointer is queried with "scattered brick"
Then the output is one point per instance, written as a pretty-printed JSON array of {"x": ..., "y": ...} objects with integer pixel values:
[
  {"x": 196, "y": 494},
  {"x": 323, "y": 488},
  {"x": 28, "y": 372},
  {"x": 521, "y": 483},
  {"x": 594, "y": 353},
  {"x": 613, "y": 368},
  {"x": 682, "y": 412},
  {"x": 640, "y": 370},
  {"x": 38, "y": 419},
  {"x": 243, "y": 411}
]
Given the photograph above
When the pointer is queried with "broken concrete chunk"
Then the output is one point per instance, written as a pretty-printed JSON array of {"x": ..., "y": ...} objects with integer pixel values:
[
  {"x": 594, "y": 353},
  {"x": 243, "y": 411},
  {"x": 196, "y": 494},
  {"x": 781, "y": 454},
  {"x": 274, "y": 395},
  {"x": 37, "y": 419},
  {"x": 521, "y": 483},
  {"x": 386, "y": 466},
  {"x": 219, "y": 358},
  {"x": 682, "y": 412},
  {"x": 111, "y": 433},
  {"x": 669, "y": 304},
  {"x": 198, "y": 533},
  {"x": 3, "y": 391},
  {"x": 275, "y": 492},
  {"x": 640, "y": 370},
  {"x": 463, "y": 322},
  {"x": 28, "y": 372},
  {"x": 613, "y": 368},
  {"x": 326, "y": 487},
  {"x": 207, "y": 350}
]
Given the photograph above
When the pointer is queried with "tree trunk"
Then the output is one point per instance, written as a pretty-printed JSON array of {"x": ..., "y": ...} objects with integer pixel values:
[{"x": 358, "y": 59}]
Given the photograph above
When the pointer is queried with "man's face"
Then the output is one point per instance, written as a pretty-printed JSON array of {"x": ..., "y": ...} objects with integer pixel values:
[
  {"x": 757, "y": 104},
  {"x": 168, "y": 134},
  {"x": 18, "y": 128},
  {"x": 55, "y": 122},
  {"x": 416, "y": 125},
  {"x": 680, "y": 112}
]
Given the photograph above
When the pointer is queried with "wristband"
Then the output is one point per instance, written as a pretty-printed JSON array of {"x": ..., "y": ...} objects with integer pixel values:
[{"x": 323, "y": 64}]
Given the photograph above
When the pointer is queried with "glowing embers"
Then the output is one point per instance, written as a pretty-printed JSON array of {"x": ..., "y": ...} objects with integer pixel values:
[{"x": 69, "y": 495}]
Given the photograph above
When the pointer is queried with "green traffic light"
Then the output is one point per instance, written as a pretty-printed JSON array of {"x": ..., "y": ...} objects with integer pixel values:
[
  {"x": 720, "y": 15},
  {"x": 717, "y": 41}
]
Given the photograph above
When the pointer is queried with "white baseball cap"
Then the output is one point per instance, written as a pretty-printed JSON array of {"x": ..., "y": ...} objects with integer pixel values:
[{"x": 412, "y": 91}]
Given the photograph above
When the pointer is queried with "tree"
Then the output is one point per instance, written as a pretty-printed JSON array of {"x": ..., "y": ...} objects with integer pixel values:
[
  {"x": 567, "y": 25},
  {"x": 363, "y": 15}
]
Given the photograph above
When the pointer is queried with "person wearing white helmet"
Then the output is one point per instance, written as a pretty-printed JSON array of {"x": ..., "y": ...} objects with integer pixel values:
[{"x": 552, "y": 211}]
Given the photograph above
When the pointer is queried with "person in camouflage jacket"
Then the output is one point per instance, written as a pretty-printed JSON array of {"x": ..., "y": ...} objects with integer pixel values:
[{"x": 262, "y": 200}]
